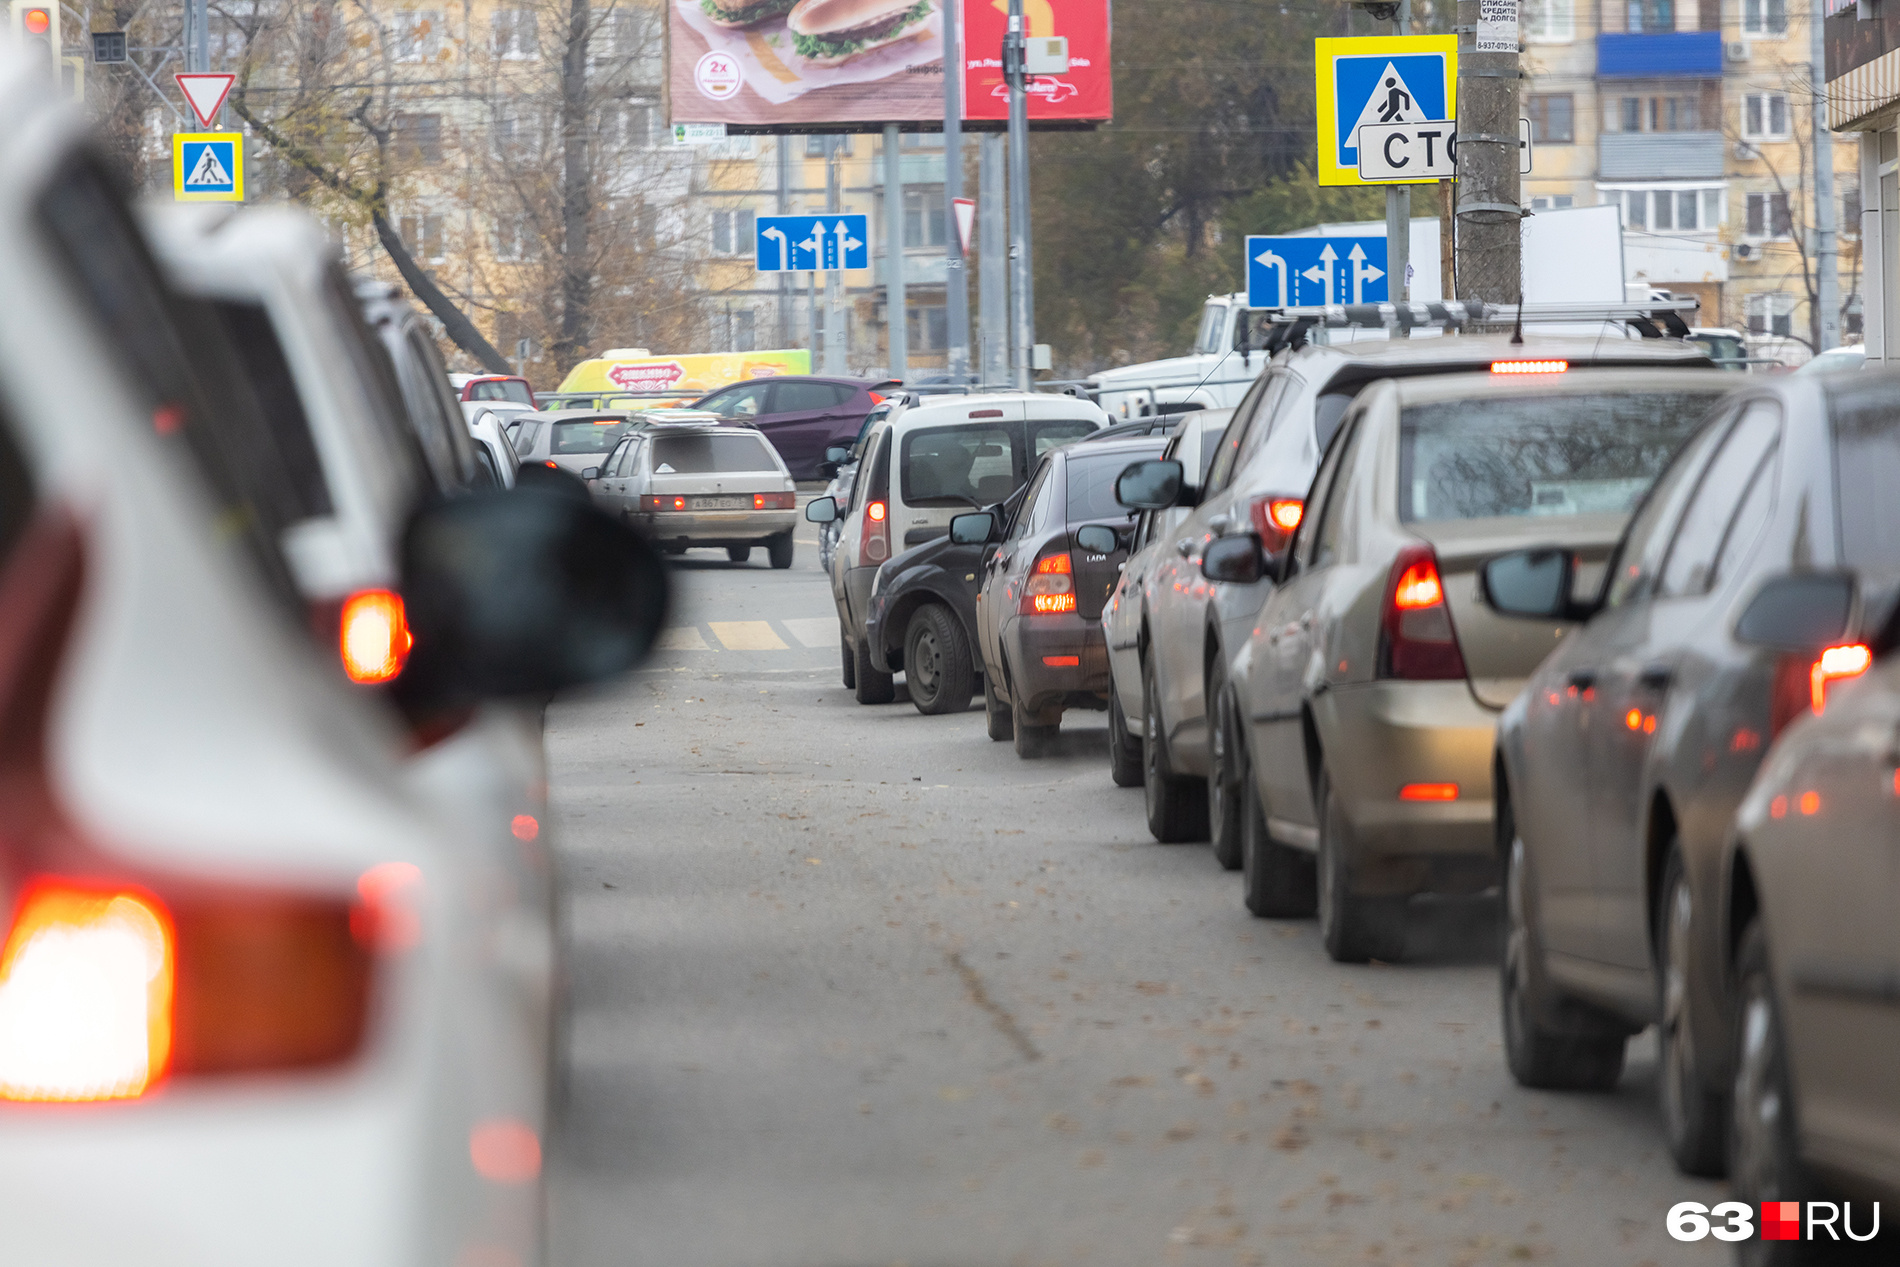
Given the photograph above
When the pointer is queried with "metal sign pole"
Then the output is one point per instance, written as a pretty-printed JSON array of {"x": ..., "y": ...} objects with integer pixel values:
[
  {"x": 956, "y": 283},
  {"x": 992, "y": 263},
  {"x": 197, "y": 37},
  {"x": 787, "y": 281},
  {"x": 835, "y": 349},
  {"x": 896, "y": 317},
  {"x": 1022, "y": 298},
  {"x": 1398, "y": 213}
]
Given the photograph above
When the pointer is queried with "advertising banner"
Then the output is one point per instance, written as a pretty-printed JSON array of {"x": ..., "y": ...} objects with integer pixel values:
[
  {"x": 805, "y": 65},
  {"x": 691, "y": 375}
]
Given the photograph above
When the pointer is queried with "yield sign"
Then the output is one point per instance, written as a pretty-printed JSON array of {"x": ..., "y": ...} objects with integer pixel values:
[
  {"x": 965, "y": 209},
  {"x": 205, "y": 93}
]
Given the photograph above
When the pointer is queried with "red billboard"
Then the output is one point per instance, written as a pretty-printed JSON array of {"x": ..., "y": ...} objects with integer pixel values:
[
  {"x": 779, "y": 65},
  {"x": 1086, "y": 91}
]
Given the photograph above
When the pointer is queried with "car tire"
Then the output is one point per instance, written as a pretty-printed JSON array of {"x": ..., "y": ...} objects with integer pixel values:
[
  {"x": 1581, "y": 1057},
  {"x": 1176, "y": 804},
  {"x": 848, "y": 663},
  {"x": 1694, "y": 1114},
  {"x": 1124, "y": 749},
  {"x": 873, "y": 687},
  {"x": 738, "y": 554},
  {"x": 1354, "y": 927},
  {"x": 1223, "y": 783},
  {"x": 779, "y": 550},
  {"x": 1278, "y": 880},
  {"x": 1764, "y": 1161},
  {"x": 937, "y": 661},
  {"x": 997, "y": 716},
  {"x": 1033, "y": 739}
]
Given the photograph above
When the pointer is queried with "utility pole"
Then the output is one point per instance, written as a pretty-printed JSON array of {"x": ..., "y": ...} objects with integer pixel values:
[
  {"x": 1489, "y": 261},
  {"x": 786, "y": 281},
  {"x": 897, "y": 333},
  {"x": 1398, "y": 213},
  {"x": 956, "y": 281},
  {"x": 197, "y": 37},
  {"x": 1826, "y": 326},
  {"x": 992, "y": 263},
  {"x": 835, "y": 349},
  {"x": 1022, "y": 296}
]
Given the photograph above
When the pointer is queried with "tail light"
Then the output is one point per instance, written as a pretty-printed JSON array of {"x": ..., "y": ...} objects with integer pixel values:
[
  {"x": 876, "y": 398},
  {"x": 1275, "y": 519},
  {"x": 1050, "y": 590},
  {"x": 1801, "y": 685},
  {"x": 774, "y": 501},
  {"x": 874, "y": 539},
  {"x": 373, "y": 636},
  {"x": 1429, "y": 792},
  {"x": 1417, "y": 639},
  {"x": 1529, "y": 367},
  {"x": 654, "y": 504}
]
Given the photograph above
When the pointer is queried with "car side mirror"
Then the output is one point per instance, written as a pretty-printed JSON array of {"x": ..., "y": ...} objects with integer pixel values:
[
  {"x": 822, "y": 510},
  {"x": 1798, "y": 611},
  {"x": 974, "y": 529},
  {"x": 1154, "y": 484},
  {"x": 1532, "y": 584},
  {"x": 591, "y": 473},
  {"x": 520, "y": 593},
  {"x": 827, "y": 470},
  {"x": 1098, "y": 539},
  {"x": 838, "y": 454},
  {"x": 1237, "y": 559}
]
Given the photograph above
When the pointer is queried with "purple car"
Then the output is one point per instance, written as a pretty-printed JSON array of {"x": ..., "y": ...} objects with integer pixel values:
[{"x": 801, "y": 415}]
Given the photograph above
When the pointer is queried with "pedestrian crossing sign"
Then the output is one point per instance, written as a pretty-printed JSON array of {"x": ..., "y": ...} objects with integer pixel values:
[
  {"x": 208, "y": 166},
  {"x": 1378, "y": 79}
]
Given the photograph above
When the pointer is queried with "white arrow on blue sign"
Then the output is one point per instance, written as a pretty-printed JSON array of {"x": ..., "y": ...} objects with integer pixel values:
[
  {"x": 1301, "y": 272},
  {"x": 797, "y": 244}
]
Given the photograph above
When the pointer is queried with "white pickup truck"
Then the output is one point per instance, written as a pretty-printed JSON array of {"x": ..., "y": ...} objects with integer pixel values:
[{"x": 1212, "y": 376}]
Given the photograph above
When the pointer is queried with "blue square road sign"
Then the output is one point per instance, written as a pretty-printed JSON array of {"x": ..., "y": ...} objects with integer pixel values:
[
  {"x": 1305, "y": 272},
  {"x": 796, "y": 244}
]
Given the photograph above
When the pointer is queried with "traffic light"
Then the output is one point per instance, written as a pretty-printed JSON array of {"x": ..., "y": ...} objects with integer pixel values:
[{"x": 35, "y": 25}]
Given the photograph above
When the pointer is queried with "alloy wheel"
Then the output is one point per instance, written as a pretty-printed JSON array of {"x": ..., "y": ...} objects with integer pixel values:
[{"x": 1756, "y": 1169}]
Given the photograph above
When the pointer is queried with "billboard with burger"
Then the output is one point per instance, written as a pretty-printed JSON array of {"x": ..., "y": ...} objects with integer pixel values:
[{"x": 823, "y": 65}]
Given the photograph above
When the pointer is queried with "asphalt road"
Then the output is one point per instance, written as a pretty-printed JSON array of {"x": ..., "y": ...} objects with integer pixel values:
[{"x": 856, "y": 986}]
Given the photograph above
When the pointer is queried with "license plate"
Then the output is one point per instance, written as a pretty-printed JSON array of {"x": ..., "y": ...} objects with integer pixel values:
[{"x": 722, "y": 503}]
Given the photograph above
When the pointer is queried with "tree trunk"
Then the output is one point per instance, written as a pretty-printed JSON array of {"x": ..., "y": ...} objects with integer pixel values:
[
  {"x": 455, "y": 323},
  {"x": 577, "y": 273}
]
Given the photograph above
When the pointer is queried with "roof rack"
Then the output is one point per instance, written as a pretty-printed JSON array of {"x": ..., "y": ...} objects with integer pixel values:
[{"x": 1287, "y": 327}]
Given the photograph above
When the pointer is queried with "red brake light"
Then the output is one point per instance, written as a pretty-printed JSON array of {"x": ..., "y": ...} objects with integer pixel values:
[
  {"x": 374, "y": 636},
  {"x": 1275, "y": 519},
  {"x": 1529, "y": 367},
  {"x": 552, "y": 465},
  {"x": 1063, "y": 661},
  {"x": 1429, "y": 792},
  {"x": 1801, "y": 685},
  {"x": 773, "y": 501},
  {"x": 876, "y": 398},
  {"x": 876, "y": 512},
  {"x": 1417, "y": 639},
  {"x": 1050, "y": 590},
  {"x": 1836, "y": 664},
  {"x": 874, "y": 536},
  {"x": 36, "y": 21},
  {"x": 1053, "y": 564}
]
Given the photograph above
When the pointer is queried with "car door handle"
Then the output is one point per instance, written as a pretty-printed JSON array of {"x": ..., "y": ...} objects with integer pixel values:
[
  {"x": 1184, "y": 547},
  {"x": 1655, "y": 677},
  {"x": 1581, "y": 679}
]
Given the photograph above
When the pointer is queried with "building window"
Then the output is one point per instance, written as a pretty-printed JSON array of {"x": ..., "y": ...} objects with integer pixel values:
[
  {"x": 422, "y": 234},
  {"x": 419, "y": 138},
  {"x": 418, "y": 35},
  {"x": 514, "y": 34},
  {"x": 628, "y": 124},
  {"x": 517, "y": 132},
  {"x": 1553, "y": 119},
  {"x": 1765, "y": 115},
  {"x": 1676, "y": 113},
  {"x": 927, "y": 329},
  {"x": 923, "y": 219},
  {"x": 1553, "y": 202},
  {"x": 732, "y": 232},
  {"x": 512, "y": 238},
  {"x": 1768, "y": 216},
  {"x": 1771, "y": 313},
  {"x": 1765, "y": 17},
  {"x": 1671, "y": 210},
  {"x": 1652, "y": 15},
  {"x": 1550, "y": 21},
  {"x": 1850, "y": 212}
]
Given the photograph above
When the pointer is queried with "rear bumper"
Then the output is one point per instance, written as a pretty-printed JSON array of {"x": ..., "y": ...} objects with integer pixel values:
[
  {"x": 716, "y": 527},
  {"x": 1031, "y": 641},
  {"x": 1385, "y": 736}
]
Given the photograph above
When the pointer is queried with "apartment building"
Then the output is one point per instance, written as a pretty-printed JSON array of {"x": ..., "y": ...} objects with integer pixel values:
[
  {"x": 1692, "y": 117},
  {"x": 1863, "y": 105}
]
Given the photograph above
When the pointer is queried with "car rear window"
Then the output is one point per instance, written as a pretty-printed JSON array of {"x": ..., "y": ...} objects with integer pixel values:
[
  {"x": 1540, "y": 455},
  {"x": 594, "y": 435},
  {"x": 1866, "y": 473},
  {"x": 957, "y": 466},
  {"x": 502, "y": 389},
  {"x": 705, "y": 454},
  {"x": 1092, "y": 486}
]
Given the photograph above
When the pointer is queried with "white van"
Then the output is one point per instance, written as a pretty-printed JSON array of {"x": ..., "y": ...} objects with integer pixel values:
[{"x": 928, "y": 460}]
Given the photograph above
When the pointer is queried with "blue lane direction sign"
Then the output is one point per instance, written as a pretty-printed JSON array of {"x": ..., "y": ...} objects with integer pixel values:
[
  {"x": 797, "y": 244},
  {"x": 1301, "y": 272}
]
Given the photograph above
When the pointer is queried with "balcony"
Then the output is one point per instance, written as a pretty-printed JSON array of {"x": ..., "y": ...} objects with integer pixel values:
[
  {"x": 1659, "y": 156},
  {"x": 1664, "y": 55}
]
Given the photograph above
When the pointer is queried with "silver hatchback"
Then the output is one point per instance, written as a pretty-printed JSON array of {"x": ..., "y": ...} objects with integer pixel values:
[{"x": 701, "y": 485}]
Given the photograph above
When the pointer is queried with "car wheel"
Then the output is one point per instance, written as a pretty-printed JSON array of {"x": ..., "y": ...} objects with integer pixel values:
[
  {"x": 848, "y": 663},
  {"x": 937, "y": 661},
  {"x": 873, "y": 687},
  {"x": 1584, "y": 1057},
  {"x": 1124, "y": 749},
  {"x": 1354, "y": 927},
  {"x": 1763, "y": 1161},
  {"x": 779, "y": 550},
  {"x": 1278, "y": 880},
  {"x": 1223, "y": 782},
  {"x": 1693, "y": 1112},
  {"x": 1176, "y": 804},
  {"x": 738, "y": 554},
  {"x": 1033, "y": 738},
  {"x": 998, "y": 718}
]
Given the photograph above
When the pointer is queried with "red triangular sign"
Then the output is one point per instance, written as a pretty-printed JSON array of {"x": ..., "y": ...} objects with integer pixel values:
[
  {"x": 205, "y": 94},
  {"x": 966, "y": 220}
]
